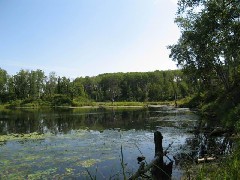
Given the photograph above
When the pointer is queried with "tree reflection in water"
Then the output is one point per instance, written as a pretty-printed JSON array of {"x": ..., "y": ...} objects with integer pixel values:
[
  {"x": 203, "y": 145},
  {"x": 65, "y": 120},
  {"x": 141, "y": 123}
]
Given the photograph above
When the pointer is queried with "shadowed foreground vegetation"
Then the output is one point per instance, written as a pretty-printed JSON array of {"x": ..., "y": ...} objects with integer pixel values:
[
  {"x": 223, "y": 168},
  {"x": 208, "y": 50}
]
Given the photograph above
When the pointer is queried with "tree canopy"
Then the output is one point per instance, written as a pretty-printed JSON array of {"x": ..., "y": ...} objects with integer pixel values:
[
  {"x": 208, "y": 51},
  {"x": 135, "y": 86},
  {"x": 209, "y": 46}
]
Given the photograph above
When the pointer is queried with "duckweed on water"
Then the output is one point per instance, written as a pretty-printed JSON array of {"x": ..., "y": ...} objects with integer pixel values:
[
  {"x": 88, "y": 163},
  {"x": 10, "y": 137},
  {"x": 42, "y": 174}
]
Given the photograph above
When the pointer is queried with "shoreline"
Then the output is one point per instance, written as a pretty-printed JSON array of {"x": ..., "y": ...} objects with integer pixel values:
[{"x": 95, "y": 105}]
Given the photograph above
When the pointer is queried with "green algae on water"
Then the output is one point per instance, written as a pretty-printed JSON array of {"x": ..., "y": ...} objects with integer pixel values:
[{"x": 30, "y": 136}]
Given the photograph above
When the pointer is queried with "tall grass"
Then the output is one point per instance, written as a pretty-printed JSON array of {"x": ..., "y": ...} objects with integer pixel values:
[{"x": 226, "y": 169}]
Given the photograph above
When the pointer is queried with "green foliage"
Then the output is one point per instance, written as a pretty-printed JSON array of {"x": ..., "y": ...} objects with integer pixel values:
[
  {"x": 13, "y": 104},
  {"x": 227, "y": 169},
  {"x": 11, "y": 137},
  {"x": 3, "y": 82},
  {"x": 121, "y": 104},
  {"x": 208, "y": 52},
  {"x": 233, "y": 118},
  {"x": 36, "y": 89},
  {"x": 82, "y": 101},
  {"x": 194, "y": 101},
  {"x": 51, "y": 84},
  {"x": 61, "y": 100},
  {"x": 208, "y": 48}
]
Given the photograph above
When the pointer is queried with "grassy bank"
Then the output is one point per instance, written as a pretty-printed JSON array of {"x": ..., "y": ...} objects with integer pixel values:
[
  {"x": 224, "y": 168},
  {"x": 222, "y": 110},
  {"x": 36, "y": 104}
]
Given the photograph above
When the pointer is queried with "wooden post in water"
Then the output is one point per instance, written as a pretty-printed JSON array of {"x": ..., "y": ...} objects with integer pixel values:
[
  {"x": 159, "y": 170},
  {"x": 158, "y": 165},
  {"x": 158, "y": 143}
]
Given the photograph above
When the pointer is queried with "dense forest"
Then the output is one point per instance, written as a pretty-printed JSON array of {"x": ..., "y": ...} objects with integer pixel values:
[
  {"x": 209, "y": 51},
  {"x": 28, "y": 86}
]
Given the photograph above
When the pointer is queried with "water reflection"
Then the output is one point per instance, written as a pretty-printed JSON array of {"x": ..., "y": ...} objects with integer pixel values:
[
  {"x": 201, "y": 146},
  {"x": 80, "y": 138},
  {"x": 63, "y": 121}
]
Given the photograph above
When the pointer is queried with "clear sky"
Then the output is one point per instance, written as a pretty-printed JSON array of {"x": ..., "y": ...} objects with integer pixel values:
[{"x": 87, "y": 37}]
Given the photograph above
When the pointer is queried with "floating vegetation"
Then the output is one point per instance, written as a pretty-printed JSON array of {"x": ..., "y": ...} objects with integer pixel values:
[
  {"x": 66, "y": 143},
  {"x": 88, "y": 163},
  {"x": 33, "y": 136},
  {"x": 69, "y": 170},
  {"x": 42, "y": 174}
]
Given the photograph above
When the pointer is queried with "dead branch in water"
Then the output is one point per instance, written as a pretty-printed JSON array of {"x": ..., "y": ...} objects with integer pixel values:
[{"x": 158, "y": 168}]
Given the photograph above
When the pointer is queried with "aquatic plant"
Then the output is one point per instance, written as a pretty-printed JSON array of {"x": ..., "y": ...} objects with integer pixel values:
[{"x": 11, "y": 137}]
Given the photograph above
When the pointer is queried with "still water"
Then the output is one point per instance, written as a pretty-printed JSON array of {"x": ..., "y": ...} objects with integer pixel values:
[{"x": 86, "y": 143}]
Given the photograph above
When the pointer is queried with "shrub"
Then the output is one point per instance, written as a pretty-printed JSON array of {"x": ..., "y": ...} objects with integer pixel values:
[
  {"x": 61, "y": 100},
  {"x": 233, "y": 118},
  {"x": 227, "y": 169},
  {"x": 194, "y": 101},
  {"x": 14, "y": 104},
  {"x": 82, "y": 101}
]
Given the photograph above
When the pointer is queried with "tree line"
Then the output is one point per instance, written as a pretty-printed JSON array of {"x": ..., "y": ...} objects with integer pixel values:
[{"x": 134, "y": 86}]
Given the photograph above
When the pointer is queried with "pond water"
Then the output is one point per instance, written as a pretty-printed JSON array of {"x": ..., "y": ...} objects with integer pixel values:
[{"x": 87, "y": 143}]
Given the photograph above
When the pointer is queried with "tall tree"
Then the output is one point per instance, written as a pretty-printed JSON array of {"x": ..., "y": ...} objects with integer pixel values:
[
  {"x": 3, "y": 80},
  {"x": 209, "y": 47},
  {"x": 3, "y": 84},
  {"x": 63, "y": 85},
  {"x": 22, "y": 84},
  {"x": 90, "y": 87},
  {"x": 40, "y": 82},
  {"x": 11, "y": 94},
  {"x": 77, "y": 88},
  {"x": 110, "y": 84},
  {"x": 51, "y": 84},
  {"x": 33, "y": 85}
]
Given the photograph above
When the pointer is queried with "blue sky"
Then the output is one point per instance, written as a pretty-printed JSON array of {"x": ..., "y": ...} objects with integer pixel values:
[{"x": 87, "y": 37}]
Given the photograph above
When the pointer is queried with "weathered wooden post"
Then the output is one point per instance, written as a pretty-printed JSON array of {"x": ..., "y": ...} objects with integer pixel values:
[
  {"x": 158, "y": 165},
  {"x": 159, "y": 170},
  {"x": 158, "y": 143}
]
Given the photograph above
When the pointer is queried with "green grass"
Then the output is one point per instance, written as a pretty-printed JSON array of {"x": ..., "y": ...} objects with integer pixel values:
[
  {"x": 2, "y": 106},
  {"x": 223, "y": 169},
  {"x": 120, "y": 104},
  {"x": 227, "y": 169},
  {"x": 78, "y": 102}
]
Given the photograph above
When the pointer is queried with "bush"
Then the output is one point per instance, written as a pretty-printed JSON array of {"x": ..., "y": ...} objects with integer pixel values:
[
  {"x": 61, "y": 100},
  {"x": 191, "y": 101},
  {"x": 227, "y": 169},
  {"x": 233, "y": 118},
  {"x": 14, "y": 104},
  {"x": 82, "y": 101}
]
